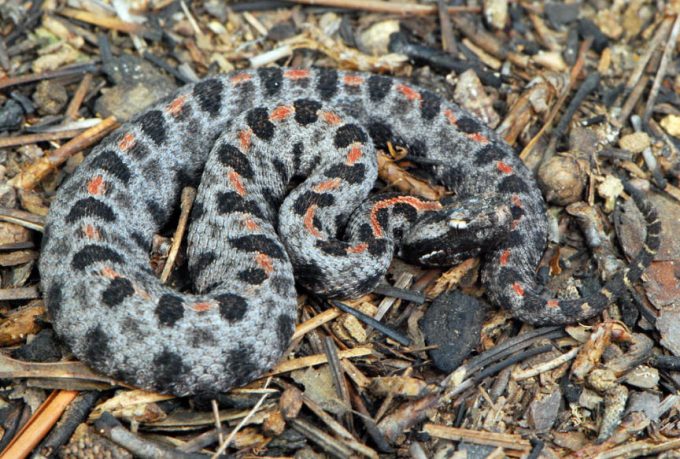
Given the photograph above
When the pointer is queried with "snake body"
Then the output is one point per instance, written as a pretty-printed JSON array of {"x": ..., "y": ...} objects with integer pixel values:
[{"x": 286, "y": 160}]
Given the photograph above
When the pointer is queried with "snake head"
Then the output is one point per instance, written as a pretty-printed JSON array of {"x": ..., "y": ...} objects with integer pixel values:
[{"x": 463, "y": 229}]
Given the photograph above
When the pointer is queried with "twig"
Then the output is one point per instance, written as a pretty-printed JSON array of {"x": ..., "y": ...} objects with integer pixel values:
[
  {"x": 102, "y": 21},
  {"x": 573, "y": 76},
  {"x": 40, "y": 137},
  {"x": 78, "y": 97},
  {"x": 29, "y": 178},
  {"x": 317, "y": 359},
  {"x": 109, "y": 427},
  {"x": 187, "y": 200},
  {"x": 379, "y": 326},
  {"x": 76, "y": 413},
  {"x": 338, "y": 376},
  {"x": 376, "y": 6},
  {"x": 40, "y": 423},
  {"x": 20, "y": 293},
  {"x": 630, "y": 102},
  {"x": 33, "y": 77},
  {"x": 22, "y": 218},
  {"x": 661, "y": 72},
  {"x": 223, "y": 446},
  {"x": 506, "y": 441},
  {"x": 448, "y": 42},
  {"x": 639, "y": 69}
]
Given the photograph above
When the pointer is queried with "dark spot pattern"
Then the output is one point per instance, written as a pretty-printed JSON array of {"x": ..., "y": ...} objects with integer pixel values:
[
  {"x": 271, "y": 79},
  {"x": 429, "y": 106},
  {"x": 230, "y": 201},
  {"x": 513, "y": 184},
  {"x": 253, "y": 276},
  {"x": 488, "y": 154},
  {"x": 378, "y": 87},
  {"x": 347, "y": 134},
  {"x": 306, "y": 111},
  {"x": 97, "y": 351},
  {"x": 153, "y": 126},
  {"x": 327, "y": 83},
  {"x": 118, "y": 290},
  {"x": 241, "y": 364},
  {"x": 157, "y": 212},
  {"x": 350, "y": 174},
  {"x": 258, "y": 121},
  {"x": 169, "y": 368},
  {"x": 517, "y": 212},
  {"x": 93, "y": 208},
  {"x": 54, "y": 299},
  {"x": 309, "y": 198},
  {"x": 231, "y": 156},
  {"x": 258, "y": 243},
  {"x": 332, "y": 247},
  {"x": 201, "y": 263},
  {"x": 284, "y": 330},
  {"x": 208, "y": 93},
  {"x": 468, "y": 125},
  {"x": 91, "y": 254},
  {"x": 232, "y": 307},
  {"x": 110, "y": 162},
  {"x": 170, "y": 309}
]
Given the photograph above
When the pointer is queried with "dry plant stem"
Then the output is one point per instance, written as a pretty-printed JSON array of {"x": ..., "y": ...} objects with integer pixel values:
[
  {"x": 218, "y": 423},
  {"x": 22, "y": 218},
  {"x": 39, "y": 425},
  {"x": 79, "y": 96},
  {"x": 187, "y": 200},
  {"x": 317, "y": 359},
  {"x": 448, "y": 43},
  {"x": 22, "y": 293},
  {"x": 339, "y": 429},
  {"x": 487, "y": 41},
  {"x": 39, "y": 137},
  {"x": 661, "y": 72},
  {"x": 33, "y": 77},
  {"x": 514, "y": 443},
  {"x": 315, "y": 322},
  {"x": 225, "y": 444},
  {"x": 109, "y": 427},
  {"x": 15, "y": 369},
  {"x": 547, "y": 366},
  {"x": 630, "y": 102},
  {"x": 338, "y": 375},
  {"x": 37, "y": 171},
  {"x": 102, "y": 21},
  {"x": 639, "y": 449},
  {"x": 654, "y": 43},
  {"x": 329, "y": 444},
  {"x": 376, "y": 6},
  {"x": 76, "y": 413},
  {"x": 573, "y": 76}
]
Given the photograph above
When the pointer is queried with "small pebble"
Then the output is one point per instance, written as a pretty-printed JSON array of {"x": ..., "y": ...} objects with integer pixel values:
[
  {"x": 646, "y": 402},
  {"x": 11, "y": 115},
  {"x": 562, "y": 180},
  {"x": 635, "y": 142},
  {"x": 671, "y": 124},
  {"x": 496, "y": 13},
  {"x": 454, "y": 323},
  {"x": 643, "y": 376},
  {"x": 560, "y": 14},
  {"x": 543, "y": 411},
  {"x": 50, "y": 97},
  {"x": 375, "y": 39}
]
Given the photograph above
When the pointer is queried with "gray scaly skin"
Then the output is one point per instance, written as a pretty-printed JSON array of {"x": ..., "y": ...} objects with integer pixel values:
[{"x": 251, "y": 134}]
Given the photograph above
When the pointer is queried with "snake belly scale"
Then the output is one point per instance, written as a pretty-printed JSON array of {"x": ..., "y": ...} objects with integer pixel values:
[{"x": 249, "y": 136}]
